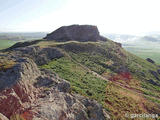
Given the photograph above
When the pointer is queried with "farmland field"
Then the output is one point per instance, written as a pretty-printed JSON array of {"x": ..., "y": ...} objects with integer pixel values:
[
  {"x": 152, "y": 52},
  {"x": 6, "y": 43}
]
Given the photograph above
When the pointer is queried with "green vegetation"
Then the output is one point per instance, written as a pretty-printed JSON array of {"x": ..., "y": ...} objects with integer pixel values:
[
  {"x": 8, "y": 39},
  {"x": 98, "y": 55},
  {"x": 108, "y": 58},
  {"x": 6, "y": 43},
  {"x": 134, "y": 93},
  {"x": 92, "y": 55},
  {"x": 153, "y": 99},
  {"x": 128, "y": 83},
  {"x": 82, "y": 81}
]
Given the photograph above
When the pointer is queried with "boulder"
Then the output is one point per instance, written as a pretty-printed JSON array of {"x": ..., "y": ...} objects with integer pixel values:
[
  {"x": 155, "y": 74},
  {"x": 94, "y": 110},
  {"x": 153, "y": 82},
  {"x": 64, "y": 86},
  {"x": 81, "y": 33},
  {"x": 150, "y": 60}
]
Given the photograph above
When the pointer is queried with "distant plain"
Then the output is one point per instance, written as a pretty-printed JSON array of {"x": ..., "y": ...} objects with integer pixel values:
[
  {"x": 147, "y": 46},
  {"x": 151, "y": 51}
]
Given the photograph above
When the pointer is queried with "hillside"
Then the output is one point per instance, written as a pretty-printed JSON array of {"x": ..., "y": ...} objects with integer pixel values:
[{"x": 76, "y": 80}]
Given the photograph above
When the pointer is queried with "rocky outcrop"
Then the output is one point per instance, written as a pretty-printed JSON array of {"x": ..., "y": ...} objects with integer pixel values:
[
  {"x": 153, "y": 82},
  {"x": 64, "y": 106},
  {"x": 16, "y": 87},
  {"x": 23, "y": 44},
  {"x": 94, "y": 110},
  {"x": 150, "y": 60},
  {"x": 39, "y": 55},
  {"x": 82, "y": 33},
  {"x": 24, "y": 70},
  {"x": 158, "y": 71},
  {"x": 30, "y": 93},
  {"x": 34, "y": 94},
  {"x": 155, "y": 74}
]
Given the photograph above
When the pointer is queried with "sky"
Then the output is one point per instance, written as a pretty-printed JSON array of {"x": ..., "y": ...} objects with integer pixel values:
[{"x": 111, "y": 16}]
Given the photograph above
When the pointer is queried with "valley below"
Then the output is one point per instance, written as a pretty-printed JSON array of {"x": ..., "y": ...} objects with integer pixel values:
[{"x": 144, "y": 46}]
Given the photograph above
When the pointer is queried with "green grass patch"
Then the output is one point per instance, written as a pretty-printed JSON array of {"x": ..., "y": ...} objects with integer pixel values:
[
  {"x": 153, "y": 99},
  {"x": 82, "y": 81},
  {"x": 103, "y": 58},
  {"x": 6, "y": 43},
  {"x": 153, "y": 53},
  {"x": 96, "y": 57}
]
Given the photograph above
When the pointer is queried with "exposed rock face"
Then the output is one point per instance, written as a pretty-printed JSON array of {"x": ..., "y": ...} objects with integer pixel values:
[
  {"x": 41, "y": 94},
  {"x": 80, "y": 33},
  {"x": 153, "y": 82},
  {"x": 155, "y": 74},
  {"x": 30, "y": 93},
  {"x": 95, "y": 111},
  {"x": 150, "y": 60},
  {"x": 16, "y": 86},
  {"x": 64, "y": 106},
  {"x": 39, "y": 55},
  {"x": 25, "y": 70}
]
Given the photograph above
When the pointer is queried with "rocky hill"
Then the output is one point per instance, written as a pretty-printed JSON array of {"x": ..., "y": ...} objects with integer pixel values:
[
  {"x": 80, "y": 33},
  {"x": 76, "y": 80}
]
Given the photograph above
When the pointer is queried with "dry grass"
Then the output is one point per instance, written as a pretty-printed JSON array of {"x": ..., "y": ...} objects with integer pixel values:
[
  {"x": 121, "y": 101},
  {"x": 6, "y": 64},
  {"x": 54, "y": 43},
  {"x": 17, "y": 117}
]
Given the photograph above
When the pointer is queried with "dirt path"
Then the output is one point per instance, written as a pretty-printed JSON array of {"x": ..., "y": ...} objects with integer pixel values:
[{"x": 138, "y": 92}]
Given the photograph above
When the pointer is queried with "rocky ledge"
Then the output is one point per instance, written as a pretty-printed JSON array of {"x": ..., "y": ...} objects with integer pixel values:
[{"x": 30, "y": 93}]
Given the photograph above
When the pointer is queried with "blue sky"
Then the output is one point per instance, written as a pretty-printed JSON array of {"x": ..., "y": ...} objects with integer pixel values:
[
  {"x": 111, "y": 16},
  {"x": 16, "y": 14}
]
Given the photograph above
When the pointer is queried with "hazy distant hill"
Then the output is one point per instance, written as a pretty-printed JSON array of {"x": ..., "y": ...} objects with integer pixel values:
[
  {"x": 151, "y": 39},
  {"x": 124, "y": 38},
  {"x": 8, "y": 39},
  {"x": 143, "y": 46},
  {"x": 22, "y": 36}
]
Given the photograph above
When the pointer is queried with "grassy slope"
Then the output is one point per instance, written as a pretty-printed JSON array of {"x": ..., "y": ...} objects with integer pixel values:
[
  {"x": 82, "y": 81},
  {"x": 6, "y": 43},
  {"x": 134, "y": 94}
]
